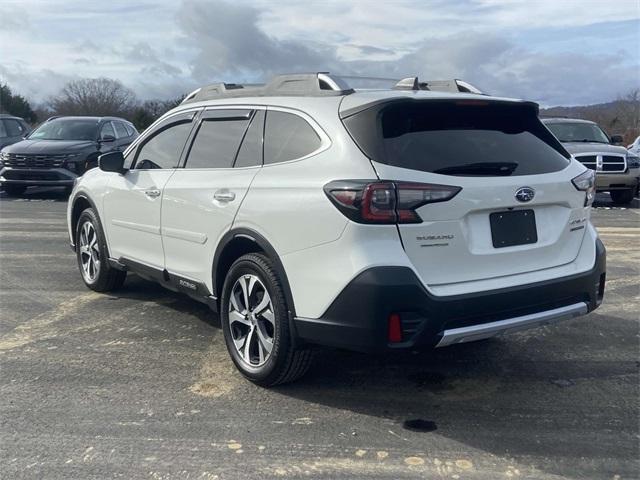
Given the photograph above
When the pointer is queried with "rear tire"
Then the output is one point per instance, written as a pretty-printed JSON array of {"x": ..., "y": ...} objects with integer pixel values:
[
  {"x": 622, "y": 197},
  {"x": 255, "y": 322},
  {"x": 14, "y": 190},
  {"x": 93, "y": 257}
]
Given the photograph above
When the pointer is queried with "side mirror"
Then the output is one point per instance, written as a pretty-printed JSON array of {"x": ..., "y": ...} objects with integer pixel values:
[
  {"x": 111, "y": 162},
  {"x": 107, "y": 139},
  {"x": 617, "y": 139}
]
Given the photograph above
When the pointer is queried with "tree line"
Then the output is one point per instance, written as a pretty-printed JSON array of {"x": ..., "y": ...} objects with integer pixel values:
[
  {"x": 105, "y": 96},
  {"x": 89, "y": 96}
]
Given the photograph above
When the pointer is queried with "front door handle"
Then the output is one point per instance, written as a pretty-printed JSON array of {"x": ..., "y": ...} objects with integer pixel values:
[
  {"x": 224, "y": 196},
  {"x": 153, "y": 193}
]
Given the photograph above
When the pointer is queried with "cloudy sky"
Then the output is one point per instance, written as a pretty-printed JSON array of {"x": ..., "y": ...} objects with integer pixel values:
[{"x": 557, "y": 52}]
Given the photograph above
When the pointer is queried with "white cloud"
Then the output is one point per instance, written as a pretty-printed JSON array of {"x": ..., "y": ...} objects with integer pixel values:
[{"x": 547, "y": 50}]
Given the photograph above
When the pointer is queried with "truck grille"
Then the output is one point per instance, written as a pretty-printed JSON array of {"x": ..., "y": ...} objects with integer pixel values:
[
  {"x": 19, "y": 160},
  {"x": 604, "y": 163}
]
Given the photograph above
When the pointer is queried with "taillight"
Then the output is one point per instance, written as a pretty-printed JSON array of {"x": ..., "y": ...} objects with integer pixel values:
[
  {"x": 385, "y": 202},
  {"x": 586, "y": 182}
]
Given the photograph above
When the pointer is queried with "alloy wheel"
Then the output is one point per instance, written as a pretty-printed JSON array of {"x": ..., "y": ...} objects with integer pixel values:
[
  {"x": 251, "y": 320},
  {"x": 89, "y": 252}
]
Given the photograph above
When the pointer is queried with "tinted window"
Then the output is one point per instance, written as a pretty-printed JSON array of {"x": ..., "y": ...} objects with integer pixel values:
[
  {"x": 130, "y": 129},
  {"x": 107, "y": 129},
  {"x": 164, "y": 148},
  {"x": 121, "y": 131},
  {"x": 3, "y": 131},
  {"x": 578, "y": 132},
  {"x": 216, "y": 143},
  {"x": 13, "y": 127},
  {"x": 250, "y": 153},
  {"x": 287, "y": 137},
  {"x": 67, "y": 129},
  {"x": 458, "y": 138}
]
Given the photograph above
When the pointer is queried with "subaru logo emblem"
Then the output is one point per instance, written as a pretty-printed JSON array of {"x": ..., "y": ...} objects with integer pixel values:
[{"x": 525, "y": 194}]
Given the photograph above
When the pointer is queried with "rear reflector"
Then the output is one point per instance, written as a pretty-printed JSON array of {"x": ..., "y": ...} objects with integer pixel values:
[{"x": 394, "y": 331}]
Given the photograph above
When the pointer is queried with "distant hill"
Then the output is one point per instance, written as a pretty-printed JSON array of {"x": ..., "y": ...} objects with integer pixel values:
[{"x": 618, "y": 117}]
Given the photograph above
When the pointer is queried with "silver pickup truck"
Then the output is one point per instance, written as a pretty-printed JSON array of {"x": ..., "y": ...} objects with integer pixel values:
[{"x": 617, "y": 169}]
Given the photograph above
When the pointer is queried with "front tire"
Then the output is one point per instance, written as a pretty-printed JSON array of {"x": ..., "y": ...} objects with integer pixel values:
[
  {"x": 92, "y": 255},
  {"x": 255, "y": 322},
  {"x": 622, "y": 197}
]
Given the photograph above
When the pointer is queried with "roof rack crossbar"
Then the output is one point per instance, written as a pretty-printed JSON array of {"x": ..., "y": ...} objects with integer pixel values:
[
  {"x": 298, "y": 84},
  {"x": 455, "y": 85}
]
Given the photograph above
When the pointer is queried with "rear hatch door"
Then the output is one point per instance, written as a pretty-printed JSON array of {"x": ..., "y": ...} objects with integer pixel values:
[{"x": 517, "y": 210}]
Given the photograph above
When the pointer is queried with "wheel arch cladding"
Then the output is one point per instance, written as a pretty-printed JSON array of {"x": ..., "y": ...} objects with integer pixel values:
[
  {"x": 238, "y": 242},
  {"x": 80, "y": 204}
]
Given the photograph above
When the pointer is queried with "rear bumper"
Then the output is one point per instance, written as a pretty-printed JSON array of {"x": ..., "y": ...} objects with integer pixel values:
[
  {"x": 37, "y": 176},
  {"x": 358, "y": 318}
]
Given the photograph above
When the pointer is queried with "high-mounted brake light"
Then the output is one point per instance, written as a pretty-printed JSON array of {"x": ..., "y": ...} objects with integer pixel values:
[{"x": 385, "y": 202}]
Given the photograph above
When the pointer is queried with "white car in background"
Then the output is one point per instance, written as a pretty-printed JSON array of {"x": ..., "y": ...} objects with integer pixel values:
[{"x": 635, "y": 147}]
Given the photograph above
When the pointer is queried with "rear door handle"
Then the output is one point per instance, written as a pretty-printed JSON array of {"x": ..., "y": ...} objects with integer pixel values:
[
  {"x": 224, "y": 196},
  {"x": 153, "y": 193}
]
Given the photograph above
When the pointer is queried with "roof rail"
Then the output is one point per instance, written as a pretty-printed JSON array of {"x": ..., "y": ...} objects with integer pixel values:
[
  {"x": 297, "y": 84},
  {"x": 455, "y": 85},
  {"x": 52, "y": 118}
]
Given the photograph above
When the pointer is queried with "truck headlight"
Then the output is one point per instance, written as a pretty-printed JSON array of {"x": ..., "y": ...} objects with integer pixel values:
[
  {"x": 586, "y": 182},
  {"x": 633, "y": 161}
]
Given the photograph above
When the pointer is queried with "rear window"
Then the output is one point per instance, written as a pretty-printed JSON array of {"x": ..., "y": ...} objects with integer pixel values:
[{"x": 458, "y": 138}]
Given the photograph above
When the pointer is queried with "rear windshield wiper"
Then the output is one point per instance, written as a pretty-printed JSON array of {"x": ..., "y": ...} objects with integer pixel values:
[{"x": 480, "y": 168}]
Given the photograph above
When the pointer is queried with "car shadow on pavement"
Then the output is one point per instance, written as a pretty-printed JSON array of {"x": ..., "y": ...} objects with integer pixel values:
[
  {"x": 139, "y": 289},
  {"x": 499, "y": 396}
]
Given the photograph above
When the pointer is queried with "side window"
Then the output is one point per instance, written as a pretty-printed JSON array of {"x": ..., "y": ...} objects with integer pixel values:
[
  {"x": 3, "y": 130},
  {"x": 217, "y": 142},
  {"x": 107, "y": 129},
  {"x": 164, "y": 148},
  {"x": 13, "y": 127},
  {"x": 287, "y": 137},
  {"x": 121, "y": 131},
  {"x": 250, "y": 153},
  {"x": 130, "y": 130}
]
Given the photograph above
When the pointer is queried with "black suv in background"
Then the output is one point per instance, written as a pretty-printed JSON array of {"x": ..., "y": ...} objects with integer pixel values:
[
  {"x": 60, "y": 150},
  {"x": 12, "y": 129}
]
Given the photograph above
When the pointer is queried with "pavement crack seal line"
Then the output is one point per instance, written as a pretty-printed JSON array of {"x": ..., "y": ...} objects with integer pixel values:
[{"x": 38, "y": 328}]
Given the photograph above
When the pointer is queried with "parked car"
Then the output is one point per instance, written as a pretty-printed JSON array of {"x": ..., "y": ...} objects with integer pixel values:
[
  {"x": 60, "y": 150},
  {"x": 12, "y": 129},
  {"x": 634, "y": 148},
  {"x": 307, "y": 213},
  {"x": 617, "y": 170}
]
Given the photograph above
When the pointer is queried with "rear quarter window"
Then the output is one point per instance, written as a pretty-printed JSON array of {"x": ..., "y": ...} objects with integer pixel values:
[
  {"x": 458, "y": 138},
  {"x": 288, "y": 137}
]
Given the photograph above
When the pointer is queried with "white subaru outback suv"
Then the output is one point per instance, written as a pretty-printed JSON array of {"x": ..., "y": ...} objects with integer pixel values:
[{"x": 307, "y": 213}]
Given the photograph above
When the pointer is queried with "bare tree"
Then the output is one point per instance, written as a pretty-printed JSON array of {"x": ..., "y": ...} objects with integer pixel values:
[{"x": 94, "y": 96}]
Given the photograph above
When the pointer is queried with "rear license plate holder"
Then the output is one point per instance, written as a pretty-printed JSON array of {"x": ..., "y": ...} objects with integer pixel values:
[{"x": 513, "y": 227}]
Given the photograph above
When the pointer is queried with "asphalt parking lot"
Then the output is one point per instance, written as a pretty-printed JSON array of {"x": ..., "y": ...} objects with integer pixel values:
[{"x": 138, "y": 384}]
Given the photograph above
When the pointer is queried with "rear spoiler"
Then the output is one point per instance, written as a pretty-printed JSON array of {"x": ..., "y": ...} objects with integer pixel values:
[{"x": 464, "y": 100}]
